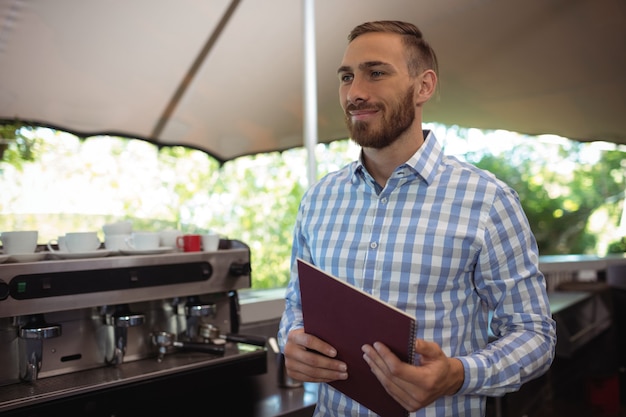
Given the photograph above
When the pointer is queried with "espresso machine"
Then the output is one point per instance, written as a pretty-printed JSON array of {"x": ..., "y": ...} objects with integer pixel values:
[{"x": 74, "y": 327}]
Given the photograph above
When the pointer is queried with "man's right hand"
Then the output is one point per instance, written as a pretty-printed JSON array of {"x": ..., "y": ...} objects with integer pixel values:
[{"x": 304, "y": 363}]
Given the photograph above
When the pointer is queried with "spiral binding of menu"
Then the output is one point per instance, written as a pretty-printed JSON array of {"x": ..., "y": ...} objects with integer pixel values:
[{"x": 347, "y": 318}]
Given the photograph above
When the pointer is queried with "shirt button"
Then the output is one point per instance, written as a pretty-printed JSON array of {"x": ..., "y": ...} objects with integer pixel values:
[
  {"x": 383, "y": 200},
  {"x": 373, "y": 245}
]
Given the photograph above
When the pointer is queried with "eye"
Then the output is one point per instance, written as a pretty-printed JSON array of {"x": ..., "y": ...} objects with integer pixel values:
[
  {"x": 377, "y": 74},
  {"x": 345, "y": 77}
]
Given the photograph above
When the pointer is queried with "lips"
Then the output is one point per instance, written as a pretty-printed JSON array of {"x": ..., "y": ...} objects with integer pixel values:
[{"x": 361, "y": 114}]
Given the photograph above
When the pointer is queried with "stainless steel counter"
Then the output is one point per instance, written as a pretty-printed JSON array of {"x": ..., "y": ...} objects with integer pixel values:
[
  {"x": 274, "y": 400},
  {"x": 575, "y": 263},
  {"x": 561, "y": 300}
]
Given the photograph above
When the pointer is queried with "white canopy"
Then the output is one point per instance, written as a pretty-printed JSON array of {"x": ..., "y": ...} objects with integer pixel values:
[{"x": 226, "y": 76}]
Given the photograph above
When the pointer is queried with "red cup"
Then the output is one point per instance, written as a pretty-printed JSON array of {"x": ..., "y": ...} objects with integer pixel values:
[{"x": 189, "y": 243}]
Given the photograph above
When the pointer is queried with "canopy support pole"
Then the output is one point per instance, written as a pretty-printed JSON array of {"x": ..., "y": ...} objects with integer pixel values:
[
  {"x": 310, "y": 90},
  {"x": 193, "y": 70}
]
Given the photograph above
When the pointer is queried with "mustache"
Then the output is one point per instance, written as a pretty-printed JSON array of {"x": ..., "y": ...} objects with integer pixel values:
[{"x": 354, "y": 107}]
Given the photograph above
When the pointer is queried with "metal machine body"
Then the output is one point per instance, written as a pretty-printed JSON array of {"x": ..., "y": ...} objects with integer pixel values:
[{"x": 83, "y": 325}]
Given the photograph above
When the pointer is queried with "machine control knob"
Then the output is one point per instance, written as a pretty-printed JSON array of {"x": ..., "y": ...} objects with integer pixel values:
[
  {"x": 4, "y": 290},
  {"x": 238, "y": 269}
]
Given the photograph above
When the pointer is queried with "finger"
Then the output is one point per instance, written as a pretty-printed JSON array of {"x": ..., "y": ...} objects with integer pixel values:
[
  {"x": 389, "y": 370},
  {"x": 428, "y": 351},
  {"x": 385, "y": 365},
  {"x": 304, "y": 348},
  {"x": 311, "y": 366},
  {"x": 375, "y": 361},
  {"x": 304, "y": 363},
  {"x": 310, "y": 342}
]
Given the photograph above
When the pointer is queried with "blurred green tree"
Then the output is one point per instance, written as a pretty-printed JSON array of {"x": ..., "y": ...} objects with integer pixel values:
[
  {"x": 255, "y": 199},
  {"x": 559, "y": 203}
]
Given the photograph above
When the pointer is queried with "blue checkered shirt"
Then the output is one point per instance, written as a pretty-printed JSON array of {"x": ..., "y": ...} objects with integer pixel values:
[{"x": 447, "y": 243}]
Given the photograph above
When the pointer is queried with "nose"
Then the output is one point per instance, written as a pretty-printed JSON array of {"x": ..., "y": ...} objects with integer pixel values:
[{"x": 356, "y": 92}]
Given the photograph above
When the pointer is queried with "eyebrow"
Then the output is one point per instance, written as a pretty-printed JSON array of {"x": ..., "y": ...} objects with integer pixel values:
[{"x": 362, "y": 66}]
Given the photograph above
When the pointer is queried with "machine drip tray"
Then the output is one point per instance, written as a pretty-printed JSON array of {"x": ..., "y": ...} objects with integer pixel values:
[{"x": 238, "y": 361}]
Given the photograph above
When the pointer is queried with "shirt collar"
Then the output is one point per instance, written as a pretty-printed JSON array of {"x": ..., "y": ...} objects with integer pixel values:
[{"x": 423, "y": 162}]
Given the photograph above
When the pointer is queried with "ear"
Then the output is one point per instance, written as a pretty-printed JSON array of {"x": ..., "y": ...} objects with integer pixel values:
[{"x": 425, "y": 87}]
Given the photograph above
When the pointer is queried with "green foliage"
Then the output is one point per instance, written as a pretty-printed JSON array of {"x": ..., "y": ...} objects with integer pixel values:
[
  {"x": 63, "y": 183},
  {"x": 618, "y": 246},
  {"x": 559, "y": 203},
  {"x": 24, "y": 144},
  {"x": 263, "y": 212}
]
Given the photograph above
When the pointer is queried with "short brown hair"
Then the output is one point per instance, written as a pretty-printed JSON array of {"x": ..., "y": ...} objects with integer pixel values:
[{"x": 420, "y": 55}]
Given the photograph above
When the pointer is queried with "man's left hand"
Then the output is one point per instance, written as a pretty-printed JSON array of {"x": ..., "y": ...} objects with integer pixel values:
[{"x": 415, "y": 386}]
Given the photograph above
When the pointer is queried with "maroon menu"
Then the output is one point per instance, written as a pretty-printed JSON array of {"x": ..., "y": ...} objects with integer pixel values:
[{"x": 347, "y": 318}]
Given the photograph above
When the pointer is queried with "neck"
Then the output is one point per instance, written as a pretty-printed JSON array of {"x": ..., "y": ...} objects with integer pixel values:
[{"x": 381, "y": 163}]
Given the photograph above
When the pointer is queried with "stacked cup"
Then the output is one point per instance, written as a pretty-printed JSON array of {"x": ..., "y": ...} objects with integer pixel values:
[
  {"x": 116, "y": 235},
  {"x": 75, "y": 242},
  {"x": 144, "y": 241},
  {"x": 207, "y": 242},
  {"x": 210, "y": 241},
  {"x": 19, "y": 242}
]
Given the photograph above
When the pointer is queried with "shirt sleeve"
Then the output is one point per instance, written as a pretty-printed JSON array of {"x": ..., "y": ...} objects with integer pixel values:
[
  {"x": 508, "y": 279},
  {"x": 292, "y": 315}
]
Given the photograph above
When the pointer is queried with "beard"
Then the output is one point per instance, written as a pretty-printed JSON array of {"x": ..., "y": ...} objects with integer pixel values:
[{"x": 393, "y": 122}]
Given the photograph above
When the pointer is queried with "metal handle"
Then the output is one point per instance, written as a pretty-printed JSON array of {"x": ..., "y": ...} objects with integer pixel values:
[
  {"x": 130, "y": 320},
  {"x": 200, "y": 310},
  {"x": 246, "y": 338},
  {"x": 37, "y": 328},
  {"x": 32, "y": 371},
  {"x": 235, "y": 311},
  {"x": 164, "y": 340},
  {"x": 32, "y": 335},
  {"x": 200, "y": 347},
  {"x": 121, "y": 318},
  {"x": 41, "y": 332}
]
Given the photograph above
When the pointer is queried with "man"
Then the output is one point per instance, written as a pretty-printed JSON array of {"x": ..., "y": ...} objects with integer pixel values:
[{"x": 434, "y": 236}]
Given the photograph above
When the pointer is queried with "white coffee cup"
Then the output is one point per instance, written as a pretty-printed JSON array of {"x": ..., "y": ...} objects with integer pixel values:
[
  {"x": 118, "y": 228},
  {"x": 116, "y": 242},
  {"x": 210, "y": 241},
  {"x": 18, "y": 242},
  {"x": 143, "y": 240},
  {"x": 60, "y": 242},
  {"x": 168, "y": 238},
  {"x": 82, "y": 241}
]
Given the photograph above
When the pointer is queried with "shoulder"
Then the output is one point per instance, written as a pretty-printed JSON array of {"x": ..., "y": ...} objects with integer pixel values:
[{"x": 471, "y": 176}]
